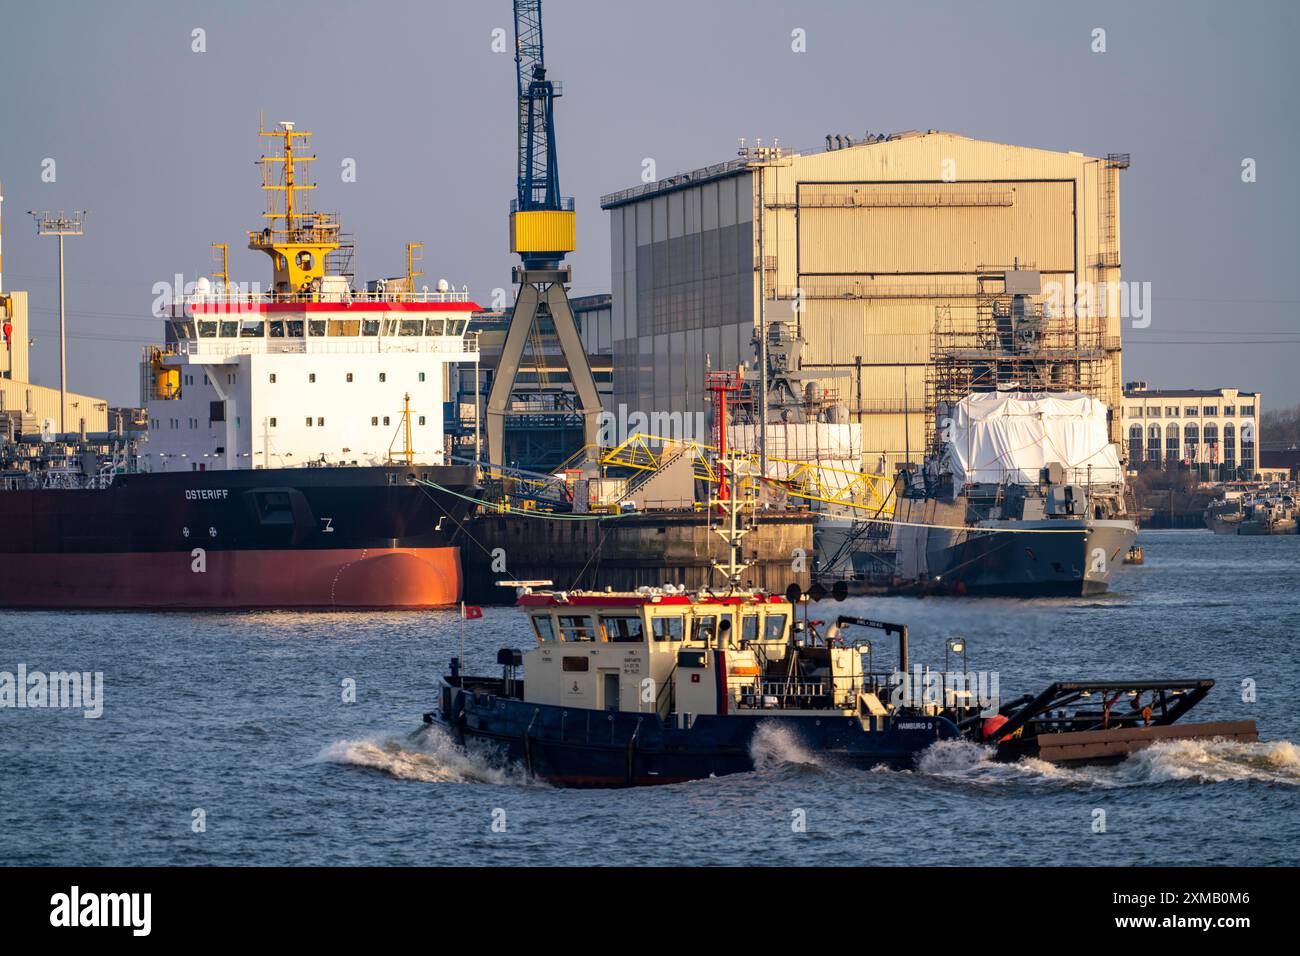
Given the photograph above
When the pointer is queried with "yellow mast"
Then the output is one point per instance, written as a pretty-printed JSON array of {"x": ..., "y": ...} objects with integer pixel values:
[
  {"x": 408, "y": 451},
  {"x": 414, "y": 253},
  {"x": 296, "y": 239},
  {"x": 221, "y": 253}
]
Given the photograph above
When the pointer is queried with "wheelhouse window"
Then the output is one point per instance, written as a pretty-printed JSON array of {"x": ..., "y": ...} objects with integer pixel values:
[
  {"x": 668, "y": 628},
  {"x": 369, "y": 326},
  {"x": 623, "y": 629},
  {"x": 412, "y": 327},
  {"x": 543, "y": 627},
  {"x": 706, "y": 628},
  {"x": 749, "y": 628},
  {"x": 773, "y": 627},
  {"x": 576, "y": 627}
]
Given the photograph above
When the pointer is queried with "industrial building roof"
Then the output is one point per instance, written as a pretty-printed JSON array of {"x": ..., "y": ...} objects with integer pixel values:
[
  {"x": 1184, "y": 393},
  {"x": 736, "y": 167}
]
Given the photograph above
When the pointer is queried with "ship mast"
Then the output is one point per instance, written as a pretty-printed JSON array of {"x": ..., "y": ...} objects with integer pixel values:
[
  {"x": 720, "y": 385},
  {"x": 296, "y": 239},
  {"x": 735, "y": 528}
]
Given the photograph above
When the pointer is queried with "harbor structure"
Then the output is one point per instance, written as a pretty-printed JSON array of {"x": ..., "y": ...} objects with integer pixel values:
[
  {"x": 542, "y": 233},
  {"x": 863, "y": 246},
  {"x": 543, "y": 428},
  {"x": 25, "y": 407}
]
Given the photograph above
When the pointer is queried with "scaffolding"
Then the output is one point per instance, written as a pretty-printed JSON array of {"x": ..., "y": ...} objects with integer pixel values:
[{"x": 1010, "y": 339}]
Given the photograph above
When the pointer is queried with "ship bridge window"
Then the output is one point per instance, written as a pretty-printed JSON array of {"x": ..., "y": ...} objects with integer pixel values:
[
  {"x": 749, "y": 628},
  {"x": 369, "y": 326},
  {"x": 624, "y": 629},
  {"x": 347, "y": 327},
  {"x": 276, "y": 329},
  {"x": 412, "y": 327},
  {"x": 390, "y": 326},
  {"x": 773, "y": 627},
  {"x": 229, "y": 330},
  {"x": 437, "y": 327},
  {"x": 252, "y": 330},
  {"x": 706, "y": 628},
  {"x": 207, "y": 330},
  {"x": 576, "y": 627},
  {"x": 668, "y": 628},
  {"x": 542, "y": 625},
  {"x": 293, "y": 328},
  {"x": 316, "y": 327}
]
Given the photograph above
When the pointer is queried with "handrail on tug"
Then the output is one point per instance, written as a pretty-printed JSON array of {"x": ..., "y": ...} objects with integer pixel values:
[{"x": 888, "y": 628}]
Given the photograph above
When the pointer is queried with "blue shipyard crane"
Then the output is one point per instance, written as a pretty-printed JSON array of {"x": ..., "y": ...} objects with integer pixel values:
[{"x": 541, "y": 233}]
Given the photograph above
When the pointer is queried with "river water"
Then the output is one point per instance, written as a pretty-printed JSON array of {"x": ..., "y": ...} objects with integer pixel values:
[{"x": 226, "y": 738}]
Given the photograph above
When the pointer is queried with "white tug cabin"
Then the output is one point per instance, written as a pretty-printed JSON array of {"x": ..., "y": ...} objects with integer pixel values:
[
  {"x": 684, "y": 655},
  {"x": 312, "y": 372}
]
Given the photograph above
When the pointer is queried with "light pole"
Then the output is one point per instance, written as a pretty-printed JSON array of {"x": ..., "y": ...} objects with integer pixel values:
[{"x": 60, "y": 225}]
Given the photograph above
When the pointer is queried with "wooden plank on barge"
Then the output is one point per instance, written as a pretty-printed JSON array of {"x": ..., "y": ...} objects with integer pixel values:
[{"x": 1087, "y": 745}]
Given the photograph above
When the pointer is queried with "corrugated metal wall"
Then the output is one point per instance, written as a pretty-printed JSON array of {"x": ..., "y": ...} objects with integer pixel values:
[{"x": 863, "y": 246}]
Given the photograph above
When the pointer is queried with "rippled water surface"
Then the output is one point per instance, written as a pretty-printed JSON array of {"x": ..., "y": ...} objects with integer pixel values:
[{"x": 241, "y": 716}]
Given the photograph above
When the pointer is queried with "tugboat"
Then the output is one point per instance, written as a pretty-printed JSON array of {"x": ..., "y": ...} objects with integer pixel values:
[{"x": 664, "y": 685}]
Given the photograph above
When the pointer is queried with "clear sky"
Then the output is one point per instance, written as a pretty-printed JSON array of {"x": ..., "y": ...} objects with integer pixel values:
[{"x": 158, "y": 141}]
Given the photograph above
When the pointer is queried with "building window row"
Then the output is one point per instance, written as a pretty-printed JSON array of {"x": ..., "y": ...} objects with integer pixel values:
[{"x": 1191, "y": 411}]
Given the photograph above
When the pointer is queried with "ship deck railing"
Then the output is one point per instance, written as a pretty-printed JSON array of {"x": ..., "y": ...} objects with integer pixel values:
[
  {"x": 251, "y": 299},
  {"x": 329, "y": 345}
]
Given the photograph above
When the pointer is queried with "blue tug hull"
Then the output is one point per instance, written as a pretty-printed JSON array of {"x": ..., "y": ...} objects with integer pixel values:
[{"x": 592, "y": 748}]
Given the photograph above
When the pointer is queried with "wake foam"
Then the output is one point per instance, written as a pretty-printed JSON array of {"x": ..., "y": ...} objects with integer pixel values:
[
  {"x": 775, "y": 745},
  {"x": 428, "y": 755},
  {"x": 1173, "y": 761},
  {"x": 1215, "y": 761}
]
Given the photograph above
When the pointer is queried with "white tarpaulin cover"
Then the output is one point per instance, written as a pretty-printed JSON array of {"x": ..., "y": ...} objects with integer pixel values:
[{"x": 999, "y": 437}]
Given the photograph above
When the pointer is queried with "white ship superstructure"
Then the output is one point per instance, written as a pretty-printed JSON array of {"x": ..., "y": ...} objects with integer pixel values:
[
  {"x": 261, "y": 383},
  {"x": 312, "y": 372}
]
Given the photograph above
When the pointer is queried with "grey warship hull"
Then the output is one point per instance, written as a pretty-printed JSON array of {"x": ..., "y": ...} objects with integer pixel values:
[
  {"x": 1073, "y": 557},
  {"x": 1031, "y": 559}
]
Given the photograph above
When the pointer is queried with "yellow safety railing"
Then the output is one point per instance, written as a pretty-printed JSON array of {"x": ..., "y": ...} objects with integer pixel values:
[{"x": 859, "y": 490}]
